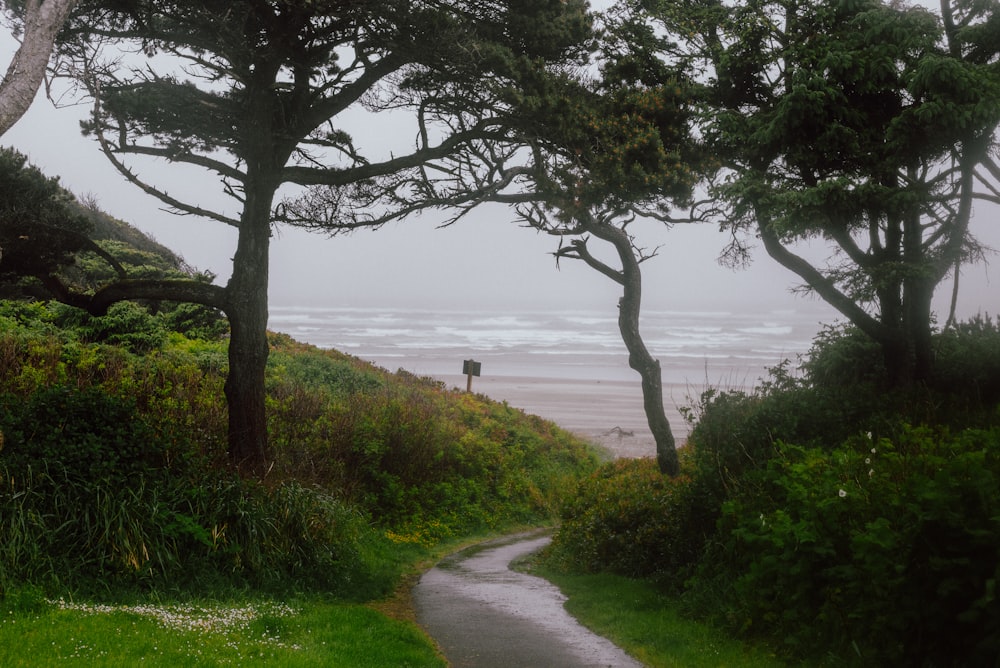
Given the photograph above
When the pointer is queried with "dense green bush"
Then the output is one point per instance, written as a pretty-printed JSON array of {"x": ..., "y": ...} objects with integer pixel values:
[
  {"x": 812, "y": 514},
  {"x": 840, "y": 391},
  {"x": 877, "y": 552},
  {"x": 126, "y": 324},
  {"x": 79, "y": 435},
  {"x": 40, "y": 228},
  {"x": 194, "y": 321},
  {"x": 628, "y": 518},
  {"x": 967, "y": 366},
  {"x": 335, "y": 374}
]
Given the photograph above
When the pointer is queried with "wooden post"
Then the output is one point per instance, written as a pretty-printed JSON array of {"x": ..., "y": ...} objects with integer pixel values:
[{"x": 470, "y": 368}]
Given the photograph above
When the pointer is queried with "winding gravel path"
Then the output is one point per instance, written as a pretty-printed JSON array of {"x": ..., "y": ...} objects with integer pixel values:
[{"x": 484, "y": 615}]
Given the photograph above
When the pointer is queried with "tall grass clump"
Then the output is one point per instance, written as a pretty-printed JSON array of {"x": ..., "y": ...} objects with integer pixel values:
[{"x": 88, "y": 501}]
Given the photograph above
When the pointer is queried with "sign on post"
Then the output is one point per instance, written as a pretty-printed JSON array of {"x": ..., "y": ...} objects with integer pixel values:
[{"x": 471, "y": 368}]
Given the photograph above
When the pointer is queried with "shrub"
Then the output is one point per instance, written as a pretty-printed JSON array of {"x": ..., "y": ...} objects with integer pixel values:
[
  {"x": 735, "y": 433},
  {"x": 843, "y": 356},
  {"x": 79, "y": 434},
  {"x": 968, "y": 363},
  {"x": 195, "y": 321},
  {"x": 126, "y": 324},
  {"x": 336, "y": 374},
  {"x": 628, "y": 518},
  {"x": 888, "y": 549},
  {"x": 840, "y": 392}
]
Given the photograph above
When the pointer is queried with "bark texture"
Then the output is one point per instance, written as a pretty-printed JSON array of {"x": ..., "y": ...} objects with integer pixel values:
[
  {"x": 639, "y": 357},
  {"x": 42, "y": 22}
]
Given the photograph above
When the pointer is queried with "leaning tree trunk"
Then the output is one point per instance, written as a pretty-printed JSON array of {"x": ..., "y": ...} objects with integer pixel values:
[
  {"x": 652, "y": 385},
  {"x": 639, "y": 358}
]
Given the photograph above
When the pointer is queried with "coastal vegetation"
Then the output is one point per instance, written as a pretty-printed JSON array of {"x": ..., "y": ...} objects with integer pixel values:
[
  {"x": 262, "y": 101},
  {"x": 157, "y": 457},
  {"x": 119, "y": 509},
  {"x": 836, "y": 520},
  {"x": 114, "y": 475}
]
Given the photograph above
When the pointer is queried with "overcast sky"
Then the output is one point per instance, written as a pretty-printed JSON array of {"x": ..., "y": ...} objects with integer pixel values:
[{"x": 486, "y": 261}]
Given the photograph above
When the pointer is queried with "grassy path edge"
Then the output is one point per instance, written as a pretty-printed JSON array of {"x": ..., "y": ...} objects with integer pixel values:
[{"x": 648, "y": 624}]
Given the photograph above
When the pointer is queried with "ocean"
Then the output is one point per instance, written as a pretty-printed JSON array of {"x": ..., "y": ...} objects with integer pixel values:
[
  {"x": 693, "y": 347},
  {"x": 569, "y": 366}
]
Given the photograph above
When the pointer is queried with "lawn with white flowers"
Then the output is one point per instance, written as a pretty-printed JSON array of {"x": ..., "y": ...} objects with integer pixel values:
[{"x": 306, "y": 633}]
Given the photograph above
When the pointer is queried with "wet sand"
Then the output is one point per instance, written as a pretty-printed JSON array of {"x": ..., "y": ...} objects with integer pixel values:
[{"x": 606, "y": 412}]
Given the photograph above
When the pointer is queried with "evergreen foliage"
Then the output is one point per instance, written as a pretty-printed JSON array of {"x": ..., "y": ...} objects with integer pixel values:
[
  {"x": 257, "y": 95},
  {"x": 40, "y": 232}
]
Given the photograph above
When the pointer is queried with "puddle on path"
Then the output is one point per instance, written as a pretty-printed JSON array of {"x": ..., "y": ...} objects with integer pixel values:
[{"x": 484, "y": 615}]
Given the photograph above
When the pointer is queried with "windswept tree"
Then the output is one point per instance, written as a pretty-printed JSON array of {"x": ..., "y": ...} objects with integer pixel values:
[
  {"x": 586, "y": 158},
  {"x": 870, "y": 125},
  {"x": 254, "y": 92},
  {"x": 39, "y": 22},
  {"x": 604, "y": 153}
]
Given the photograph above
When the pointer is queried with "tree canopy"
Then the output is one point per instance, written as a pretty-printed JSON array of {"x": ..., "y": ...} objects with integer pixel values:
[
  {"x": 253, "y": 92},
  {"x": 591, "y": 149},
  {"x": 40, "y": 228},
  {"x": 866, "y": 124}
]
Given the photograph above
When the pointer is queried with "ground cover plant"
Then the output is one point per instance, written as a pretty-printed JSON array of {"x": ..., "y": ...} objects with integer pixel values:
[{"x": 841, "y": 522}]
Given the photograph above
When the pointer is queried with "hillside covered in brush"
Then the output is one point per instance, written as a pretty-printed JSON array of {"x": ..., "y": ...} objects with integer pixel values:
[{"x": 113, "y": 463}]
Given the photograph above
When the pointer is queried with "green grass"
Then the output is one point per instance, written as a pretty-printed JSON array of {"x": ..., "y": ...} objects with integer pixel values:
[
  {"x": 648, "y": 625},
  {"x": 261, "y": 633}
]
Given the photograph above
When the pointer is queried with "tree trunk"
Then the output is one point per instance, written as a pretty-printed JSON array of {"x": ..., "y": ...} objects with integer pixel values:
[
  {"x": 897, "y": 355},
  {"x": 42, "y": 22},
  {"x": 248, "y": 347},
  {"x": 919, "y": 295},
  {"x": 652, "y": 387},
  {"x": 639, "y": 357}
]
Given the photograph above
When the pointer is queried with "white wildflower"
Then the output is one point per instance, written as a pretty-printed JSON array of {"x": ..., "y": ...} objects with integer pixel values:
[
  {"x": 207, "y": 619},
  {"x": 843, "y": 493}
]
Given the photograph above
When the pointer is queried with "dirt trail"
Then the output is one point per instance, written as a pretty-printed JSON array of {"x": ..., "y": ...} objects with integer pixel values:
[{"x": 484, "y": 615}]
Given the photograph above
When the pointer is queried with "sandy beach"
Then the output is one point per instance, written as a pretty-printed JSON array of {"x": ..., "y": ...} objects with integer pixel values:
[
  {"x": 568, "y": 366},
  {"x": 606, "y": 412}
]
